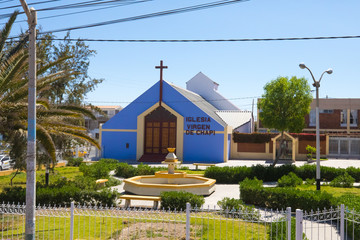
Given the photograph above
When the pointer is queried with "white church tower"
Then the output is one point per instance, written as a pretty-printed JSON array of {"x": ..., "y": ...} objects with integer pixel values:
[{"x": 207, "y": 88}]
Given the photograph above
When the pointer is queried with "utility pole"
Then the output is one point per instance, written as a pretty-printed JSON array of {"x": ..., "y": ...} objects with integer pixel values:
[{"x": 31, "y": 142}]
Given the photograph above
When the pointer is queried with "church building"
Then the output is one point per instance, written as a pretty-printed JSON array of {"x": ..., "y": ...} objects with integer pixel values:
[{"x": 197, "y": 121}]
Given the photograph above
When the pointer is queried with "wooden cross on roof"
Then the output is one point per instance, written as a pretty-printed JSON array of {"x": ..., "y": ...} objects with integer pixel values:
[{"x": 161, "y": 67}]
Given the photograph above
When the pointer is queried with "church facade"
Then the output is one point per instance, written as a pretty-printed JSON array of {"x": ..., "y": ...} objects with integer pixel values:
[{"x": 169, "y": 116}]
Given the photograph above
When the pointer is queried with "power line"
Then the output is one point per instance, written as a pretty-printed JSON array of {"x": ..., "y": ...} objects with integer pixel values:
[
  {"x": 152, "y": 15},
  {"x": 204, "y": 40},
  {"x": 84, "y": 11},
  {"x": 213, "y": 100}
]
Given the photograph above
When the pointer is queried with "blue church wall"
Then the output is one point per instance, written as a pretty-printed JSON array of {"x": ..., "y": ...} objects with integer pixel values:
[
  {"x": 201, "y": 148},
  {"x": 114, "y": 145},
  {"x": 127, "y": 118},
  {"x": 201, "y": 142}
]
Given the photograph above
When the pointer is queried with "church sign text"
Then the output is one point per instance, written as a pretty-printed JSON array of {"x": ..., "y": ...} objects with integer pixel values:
[{"x": 197, "y": 126}]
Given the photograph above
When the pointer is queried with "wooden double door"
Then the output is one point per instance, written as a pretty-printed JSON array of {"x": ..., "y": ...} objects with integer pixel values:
[{"x": 160, "y": 131}]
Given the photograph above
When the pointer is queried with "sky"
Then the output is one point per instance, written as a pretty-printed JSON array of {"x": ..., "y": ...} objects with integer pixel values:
[{"x": 241, "y": 68}]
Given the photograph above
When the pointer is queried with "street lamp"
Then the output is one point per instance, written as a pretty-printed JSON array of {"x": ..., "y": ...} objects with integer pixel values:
[{"x": 317, "y": 85}]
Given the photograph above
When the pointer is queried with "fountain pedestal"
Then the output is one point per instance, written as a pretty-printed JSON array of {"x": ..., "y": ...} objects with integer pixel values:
[{"x": 169, "y": 180}]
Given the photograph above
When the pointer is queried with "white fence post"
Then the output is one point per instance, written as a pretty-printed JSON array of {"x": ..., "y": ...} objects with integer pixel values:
[
  {"x": 342, "y": 220},
  {"x": 288, "y": 220},
  {"x": 72, "y": 221},
  {"x": 188, "y": 221},
  {"x": 299, "y": 224}
]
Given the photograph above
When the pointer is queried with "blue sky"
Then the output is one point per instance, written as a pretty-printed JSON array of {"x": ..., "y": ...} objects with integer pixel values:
[{"x": 241, "y": 68}]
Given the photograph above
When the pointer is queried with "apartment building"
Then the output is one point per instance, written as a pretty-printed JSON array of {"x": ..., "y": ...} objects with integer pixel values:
[{"x": 338, "y": 118}]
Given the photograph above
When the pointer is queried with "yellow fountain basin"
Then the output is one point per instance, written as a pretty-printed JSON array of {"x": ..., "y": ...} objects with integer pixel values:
[{"x": 153, "y": 185}]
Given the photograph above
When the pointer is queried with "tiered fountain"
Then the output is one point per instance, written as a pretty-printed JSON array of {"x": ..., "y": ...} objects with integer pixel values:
[{"x": 170, "y": 180}]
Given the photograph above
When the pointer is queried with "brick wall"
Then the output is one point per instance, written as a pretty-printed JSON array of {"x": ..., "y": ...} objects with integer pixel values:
[
  {"x": 304, "y": 143},
  {"x": 327, "y": 120},
  {"x": 251, "y": 147}
]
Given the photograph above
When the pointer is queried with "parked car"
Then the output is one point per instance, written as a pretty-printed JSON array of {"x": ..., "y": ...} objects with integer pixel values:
[{"x": 4, "y": 162}]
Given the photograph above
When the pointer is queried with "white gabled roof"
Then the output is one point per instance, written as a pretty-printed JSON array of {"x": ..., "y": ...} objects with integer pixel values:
[{"x": 235, "y": 118}]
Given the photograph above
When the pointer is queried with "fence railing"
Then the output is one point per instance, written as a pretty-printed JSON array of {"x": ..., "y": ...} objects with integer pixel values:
[{"x": 97, "y": 222}]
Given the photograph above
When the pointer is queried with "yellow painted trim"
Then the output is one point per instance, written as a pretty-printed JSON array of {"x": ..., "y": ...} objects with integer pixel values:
[
  {"x": 139, "y": 197},
  {"x": 227, "y": 130},
  {"x": 165, "y": 174},
  {"x": 207, "y": 182},
  {"x": 119, "y": 130},
  {"x": 100, "y": 140},
  {"x": 141, "y": 129}
]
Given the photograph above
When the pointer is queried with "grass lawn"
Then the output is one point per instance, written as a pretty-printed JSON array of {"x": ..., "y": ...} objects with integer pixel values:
[
  {"x": 130, "y": 225},
  {"x": 337, "y": 192},
  {"x": 20, "y": 179}
]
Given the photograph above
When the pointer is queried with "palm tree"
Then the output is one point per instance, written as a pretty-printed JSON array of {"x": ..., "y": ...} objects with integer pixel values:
[{"x": 53, "y": 121}]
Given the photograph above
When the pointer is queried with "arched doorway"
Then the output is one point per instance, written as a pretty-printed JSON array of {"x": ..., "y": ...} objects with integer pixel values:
[{"x": 160, "y": 134}]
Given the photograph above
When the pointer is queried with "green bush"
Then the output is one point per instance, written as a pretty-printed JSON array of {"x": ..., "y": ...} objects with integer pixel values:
[
  {"x": 280, "y": 198},
  {"x": 352, "y": 203},
  {"x": 100, "y": 169},
  {"x": 345, "y": 181},
  {"x": 61, "y": 196},
  {"x": 74, "y": 162},
  {"x": 178, "y": 200},
  {"x": 125, "y": 170},
  {"x": 290, "y": 180},
  {"x": 310, "y": 181},
  {"x": 235, "y": 207},
  {"x": 233, "y": 175}
]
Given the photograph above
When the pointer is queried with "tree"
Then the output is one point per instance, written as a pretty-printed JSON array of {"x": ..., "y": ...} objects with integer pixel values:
[
  {"x": 53, "y": 121},
  {"x": 73, "y": 88},
  {"x": 284, "y": 105}
]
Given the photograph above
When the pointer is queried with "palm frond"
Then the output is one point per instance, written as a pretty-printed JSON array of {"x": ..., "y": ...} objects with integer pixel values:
[
  {"x": 43, "y": 102},
  {"x": 78, "y": 109},
  {"x": 56, "y": 125},
  {"x": 57, "y": 113},
  {"x": 6, "y": 30},
  {"x": 46, "y": 141},
  {"x": 79, "y": 135},
  {"x": 47, "y": 66}
]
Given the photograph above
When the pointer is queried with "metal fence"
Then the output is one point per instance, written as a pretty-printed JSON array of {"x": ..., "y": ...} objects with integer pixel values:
[{"x": 97, "y": 222}]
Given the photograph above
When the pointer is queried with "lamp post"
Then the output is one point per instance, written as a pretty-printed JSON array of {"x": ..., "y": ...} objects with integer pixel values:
[
  {"x": 316, "y": 84},
  {"x": 31, "y": 142}
]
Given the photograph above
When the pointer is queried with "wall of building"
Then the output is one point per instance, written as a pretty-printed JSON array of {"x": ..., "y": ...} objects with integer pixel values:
[{"x": 203, "y": 137}]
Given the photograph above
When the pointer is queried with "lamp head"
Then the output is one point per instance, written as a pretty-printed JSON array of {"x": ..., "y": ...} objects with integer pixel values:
[
  {"x": 329, "y": 71},
  {"x": 302, "y": 65}
]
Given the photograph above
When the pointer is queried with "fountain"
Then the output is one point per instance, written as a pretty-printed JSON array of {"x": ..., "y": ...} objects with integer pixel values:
[{"x": 170, "y": 180}]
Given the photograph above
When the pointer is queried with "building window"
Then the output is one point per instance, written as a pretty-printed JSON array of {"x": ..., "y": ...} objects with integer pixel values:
[
  {"x": 105, "y": 111},
  {"x": 326, "y": 111},
  {"x": 343, "y": 118},
  {"x": 353, "y": 117},
  {"x": 312, "y": 118}
]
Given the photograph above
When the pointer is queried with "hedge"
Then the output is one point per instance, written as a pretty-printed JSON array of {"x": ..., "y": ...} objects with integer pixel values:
[
  {"x": 280, "y": 198},
  {"x": 178, "y": 200},
  {"x": 234, "y": 175},
  {"x": 61, "y": 196}
]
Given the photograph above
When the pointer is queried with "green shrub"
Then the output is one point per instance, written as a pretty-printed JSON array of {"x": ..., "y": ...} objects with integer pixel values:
[
  {"x": 113, "y": 182},
  {"x": 235, "y": 207},
  {"x": 178, "y": 200},
  {"x": 280, "y": 198},
  {"x": 345, "y": 181},
  {"x": 230, "y": 204},
  {"x": 233, "y": 175},
  {"x": 74, "y": 162},
  {"x": 352, "y": 203},
  {"x": 144, "y": 170},
  {"x": 290, "y": 180},
  {"x": 310, "y": 181},
  {"x": 125, "y": 170},
  {"x": 310, "y": 151}
]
